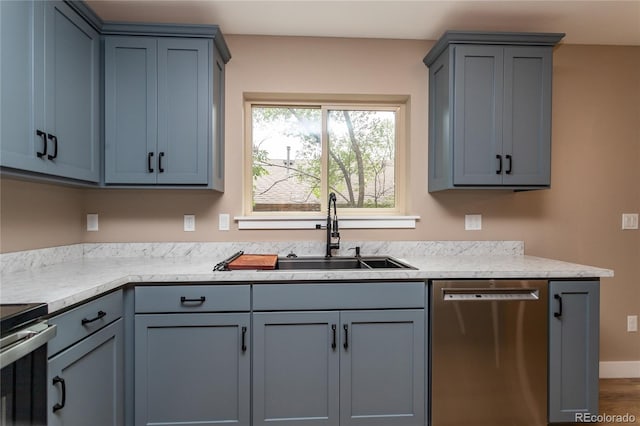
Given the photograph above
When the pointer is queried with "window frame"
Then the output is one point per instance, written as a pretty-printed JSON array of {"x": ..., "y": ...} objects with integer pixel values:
[{"x": 396, "y": 104}]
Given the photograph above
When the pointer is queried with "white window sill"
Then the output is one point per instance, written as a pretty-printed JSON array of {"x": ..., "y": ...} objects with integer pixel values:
[{"x": 310, "y": 222}]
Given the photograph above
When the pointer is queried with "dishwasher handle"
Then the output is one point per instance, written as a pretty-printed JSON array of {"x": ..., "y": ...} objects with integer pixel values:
[{"x": 490, "y": 294}]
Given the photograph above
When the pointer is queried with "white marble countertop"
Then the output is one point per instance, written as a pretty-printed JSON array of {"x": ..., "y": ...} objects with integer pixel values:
[{"x": 72, "y": 281}]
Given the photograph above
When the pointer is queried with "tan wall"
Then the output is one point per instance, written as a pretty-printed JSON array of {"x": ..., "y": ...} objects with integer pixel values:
[
  {"x": 595, "y": 172},
  {"x": 38, "y": 215}
]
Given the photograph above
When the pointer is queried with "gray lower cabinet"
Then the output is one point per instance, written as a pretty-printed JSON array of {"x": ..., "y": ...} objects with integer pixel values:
[
  {"x": 86, "y": 381},
  {"x": 49, "y": 93},
  {"x": 339, "y": 368},
  {"x": 159, "y": 110},
  {"x": 490, "y": 110},
  {"x": 192, "y": 369},
  {"x": 192, "y": 355},
  {"x": 85, "y": 370},
  {"x": 574, "y": 319}
]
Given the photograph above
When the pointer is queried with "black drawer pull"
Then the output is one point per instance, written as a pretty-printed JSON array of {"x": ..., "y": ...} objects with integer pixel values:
[
  {"x": 60, "y": 405},
  {"x": 149, "y": 160},
  {"x": 345, "y": 345},
  {"x": 333, "y": 341},
  {"x": 55, "y": 146},
  {"x": 499, "y": 171},
  {"x": 510, "y": 166},
  {"x": 201, "y": 299},
  {"x": 559, "y": 299},
  {"x": 101, "y": 314},
  {"x": 43, "y": 135},
  {"x": 244, "y": 339}
]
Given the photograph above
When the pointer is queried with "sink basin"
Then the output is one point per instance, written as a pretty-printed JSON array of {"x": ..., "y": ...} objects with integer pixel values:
[{"x": 328, "y": 263}]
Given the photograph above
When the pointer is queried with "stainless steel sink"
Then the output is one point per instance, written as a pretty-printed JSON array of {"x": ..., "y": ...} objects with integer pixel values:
[{"x": 325, "y": 263}]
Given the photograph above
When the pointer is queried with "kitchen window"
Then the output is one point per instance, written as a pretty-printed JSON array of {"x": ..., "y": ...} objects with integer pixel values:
[{"x": 299, "y": 152}]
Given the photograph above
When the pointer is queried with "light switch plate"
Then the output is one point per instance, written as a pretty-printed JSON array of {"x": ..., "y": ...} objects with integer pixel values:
[
  {"x": 223, "y": 222},
  {"x": 632, "y": 323},
  {"x": 92, "y": 222},
  {"x": 473, "y": 222},
  {"x": 629, "y": 220},
  {"x": 189, "y": 222}
]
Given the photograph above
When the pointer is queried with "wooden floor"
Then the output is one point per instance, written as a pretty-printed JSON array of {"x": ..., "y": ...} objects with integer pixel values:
[{"x": 618, "y": 397}]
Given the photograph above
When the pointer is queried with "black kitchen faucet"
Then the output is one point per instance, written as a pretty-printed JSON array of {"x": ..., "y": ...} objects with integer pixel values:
[{"x": 332, "y": 226}]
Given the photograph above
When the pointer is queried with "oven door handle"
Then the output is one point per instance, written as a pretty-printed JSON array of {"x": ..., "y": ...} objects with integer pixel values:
[{"x": 34, "y": 337}]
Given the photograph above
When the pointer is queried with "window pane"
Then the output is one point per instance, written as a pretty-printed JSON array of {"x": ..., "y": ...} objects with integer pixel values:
[
  {"x": 286, "y": 158},
  {"x": 362, "y": 157}
]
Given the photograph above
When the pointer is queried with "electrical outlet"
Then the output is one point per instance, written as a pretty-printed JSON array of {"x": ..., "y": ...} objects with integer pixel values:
[
  {"x": 629, "y": 220},
  {"x": 473, "y": 222},
  {"x": 92, "y": 222},
  {"x": 632, "y": 323},
  {"x": 223, "y": 222},
  {"x": 189, "y": 222}
]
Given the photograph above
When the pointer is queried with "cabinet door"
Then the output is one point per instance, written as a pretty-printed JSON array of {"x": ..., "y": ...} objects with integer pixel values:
[
  {"x": 130, "y": 110},
  {"x": 217, "y": 159},
  {"x": 296, "y": 368},
  {"x": 440, "y": 160},
  {"x": 527, "y": 116},
  {"x": 72, "y": 97},
  {"x": 183, "y": 112},
  {"x": 20, "y": 24},
  {"x": 87, "y": 380},
  {"x": 478, "y": 87},
  {"x": 574, "y": 320},
  {"x": 382, "y": 377},
  {"x": 192, "y": 369}
]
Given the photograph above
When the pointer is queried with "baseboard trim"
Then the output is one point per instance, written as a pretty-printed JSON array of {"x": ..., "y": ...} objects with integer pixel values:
[{"x": 619, "y": 369}]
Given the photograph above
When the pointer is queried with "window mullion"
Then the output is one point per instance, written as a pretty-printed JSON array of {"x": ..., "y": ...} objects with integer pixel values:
[{"x": 324, "y": 162}]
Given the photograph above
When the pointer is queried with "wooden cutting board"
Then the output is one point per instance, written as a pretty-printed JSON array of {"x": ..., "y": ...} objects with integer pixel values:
[{"x": 254, "y": 261}]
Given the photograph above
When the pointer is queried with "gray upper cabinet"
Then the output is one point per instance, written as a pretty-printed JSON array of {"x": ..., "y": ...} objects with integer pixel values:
[
  {"x": 163, "y": 110},
  {"x": 490, "y": 110},
  {"x": 49, "y": 91},
  {"x": 574, "y": 320},
  {"x": 131, "y": 109}
]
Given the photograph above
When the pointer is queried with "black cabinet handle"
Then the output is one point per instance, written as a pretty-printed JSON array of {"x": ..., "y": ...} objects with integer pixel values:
[
  {"x": 244, "y": 337},
  {"x": 160, "y": 169},
  {"x": 510, "y": 166},
  {"x": 55, "y": 146},
  {"x": 333, "y": 341},
  {"x": 499, "y": 157},
  {"x": 101, "y": 314},
  {"x": 559, "y": 299},
  {"x": 60, "y": 405},
  {"x": 43, "y": 135},
  {"x": 149, "y": 162},
  {"x": 346, "y": 336},
  {"x": 201, "y": 299}
]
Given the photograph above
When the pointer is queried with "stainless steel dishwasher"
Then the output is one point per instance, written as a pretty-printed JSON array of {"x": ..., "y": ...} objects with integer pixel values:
[{"x": 489, "y": 353}]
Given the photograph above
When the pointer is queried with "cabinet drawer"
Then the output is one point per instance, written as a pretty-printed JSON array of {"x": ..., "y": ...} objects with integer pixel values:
[
  {"x": 312, "y": 296},
  {"x": 84, "y": 320},
  {"x": 193, "y": 298}
]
